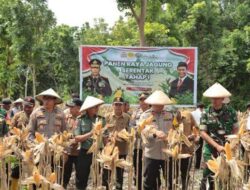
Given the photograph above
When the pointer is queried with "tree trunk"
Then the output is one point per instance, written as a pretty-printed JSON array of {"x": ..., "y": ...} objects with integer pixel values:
[
  {"x": 142, "y": 22},
  {"x": 34, "y": 79},
  {"x": 26, "y": 82}
]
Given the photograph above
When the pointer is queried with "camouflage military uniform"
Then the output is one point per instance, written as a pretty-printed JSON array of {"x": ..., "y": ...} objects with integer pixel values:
[
  {"x": 3, "y": 113},
  {"x": 216, "y": 124},
  {"x": 97, "y": 85},
  {"x": 3, "y": 125}
]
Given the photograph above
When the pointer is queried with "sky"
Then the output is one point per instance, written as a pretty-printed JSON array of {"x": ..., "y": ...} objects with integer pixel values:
[{"x": 77, "y": 12}]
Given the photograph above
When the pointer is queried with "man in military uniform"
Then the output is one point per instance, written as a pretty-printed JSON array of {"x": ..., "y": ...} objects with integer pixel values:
[
  {"x": 71, "y": 153},
  {"x": 5, "y": 110},
  {"x": 134, "y": 122},
  {"x": 116, "y": 122},
  {"x": 218, "y": 121},
  {"x": 21, "y": 119},
  {"x": 47, "y": 119},
  {"x": 83, "y": 135},
  {"x": 5, "y": 116},
  {"x": 95, "y": 83},
  {"x": 155, "y": 159}
]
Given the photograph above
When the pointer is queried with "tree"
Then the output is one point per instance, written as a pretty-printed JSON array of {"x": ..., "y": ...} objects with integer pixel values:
[
  {"x": 139, "y": 17},
  {"x": 32, "y": 20},
  {"x": 61, "y": 61},
  {"x": 124, "y": 33},
  {"x": 202, "y": 29},
  {"x": 96, "y": 35},
  {"x": 6, "y": 52}
]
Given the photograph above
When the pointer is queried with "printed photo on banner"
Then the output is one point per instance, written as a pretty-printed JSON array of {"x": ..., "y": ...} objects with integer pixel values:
[{"x": 109, "y": 72}]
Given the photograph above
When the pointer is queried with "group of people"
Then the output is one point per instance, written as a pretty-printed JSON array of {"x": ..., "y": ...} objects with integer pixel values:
[{"x": 149, "y": 159}]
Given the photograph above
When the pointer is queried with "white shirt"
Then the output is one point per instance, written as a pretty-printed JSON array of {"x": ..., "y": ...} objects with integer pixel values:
[
  {"x": 197, "y": 116},
  {"x": 182, "y": 79}
]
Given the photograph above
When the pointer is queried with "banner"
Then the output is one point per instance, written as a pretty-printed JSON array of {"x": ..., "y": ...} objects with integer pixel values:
[{"x": 128, "y": 71}]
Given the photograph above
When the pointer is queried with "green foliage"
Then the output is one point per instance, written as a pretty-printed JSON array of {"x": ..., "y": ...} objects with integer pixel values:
[
  {"x": 124, "y": 33},
  {"x": 31, "y": 41},
  {"x": 185, "y": 98},
  {"x": 156, "y": 34}
]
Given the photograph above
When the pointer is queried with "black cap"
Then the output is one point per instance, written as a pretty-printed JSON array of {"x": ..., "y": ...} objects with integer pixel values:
[
  {"x": 118, "y": 100},
  {"x": 6, "y": 101},
  {"x": 182, "y": 64},
  {"x": 29, "y": 101},
  {"x": 95, "y": 63},
  {"x": 74, "y": 102}
]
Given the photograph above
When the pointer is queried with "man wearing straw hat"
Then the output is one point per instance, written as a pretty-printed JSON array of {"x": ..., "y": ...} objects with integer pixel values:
[
  {"x": 135, "y": 118},
  {"x": 83, "y": 135},
  {"x": 17, "y": 107},
  {"x": 47, "y": 119},
  {"x": 155, "y": 159},
  {"x": 218, "y": 121}
]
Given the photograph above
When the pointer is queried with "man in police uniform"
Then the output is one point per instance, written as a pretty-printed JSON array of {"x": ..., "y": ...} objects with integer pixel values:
[
  {"x": 21, "y": 119},
  {"x": 84, "y": 134},
  {"x": 155, "y": 158},
  {"x": 47, "y": 119},
  {"x": 95, "y": 83},
  {"x": 218, "y": 121},
  {"x": 135, "y": 118}
]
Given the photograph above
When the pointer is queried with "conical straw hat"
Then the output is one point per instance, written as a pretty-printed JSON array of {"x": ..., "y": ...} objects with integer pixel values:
[
  {"x": 19, "y": 100},
  {"x": 90, "y": 102},
  {"x": 49, "y": 92},
  {"x": 158, "y": 98},
  {"x": 216, "y": 91}
]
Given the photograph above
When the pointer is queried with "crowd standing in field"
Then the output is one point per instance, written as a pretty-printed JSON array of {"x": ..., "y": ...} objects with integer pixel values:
[{"x": 156, "y": 144}]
